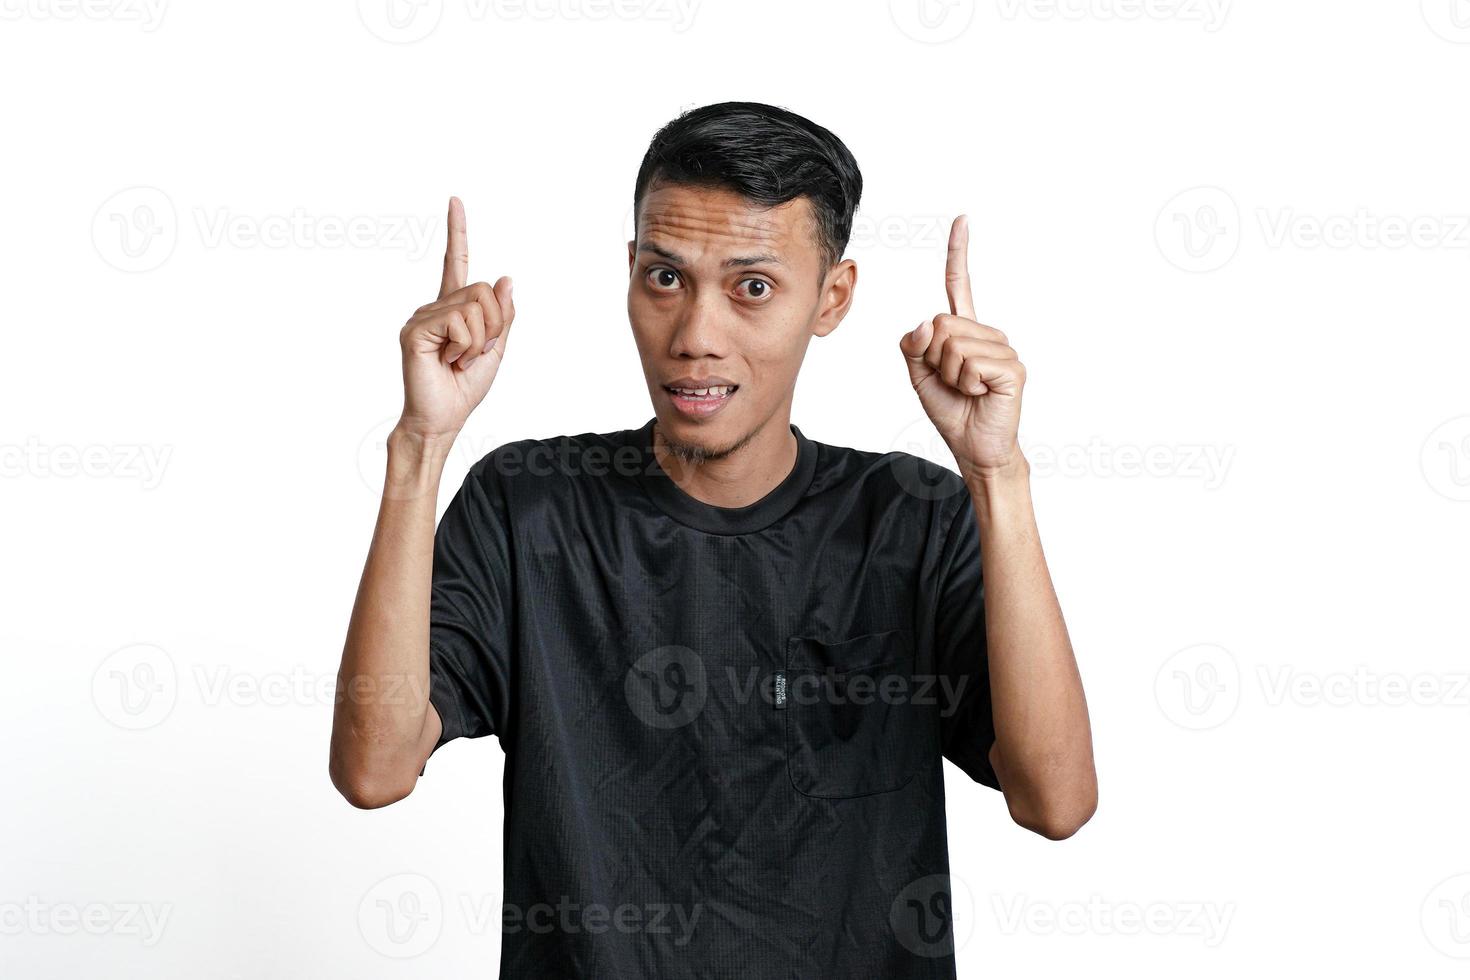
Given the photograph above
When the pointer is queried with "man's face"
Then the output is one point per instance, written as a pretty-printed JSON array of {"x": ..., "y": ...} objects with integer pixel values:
[{"x": 722, "y": 293}]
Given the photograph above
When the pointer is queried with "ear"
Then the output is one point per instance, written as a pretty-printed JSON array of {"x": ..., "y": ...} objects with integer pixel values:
[
  {"x": 837, "y": 292},
  {"x": 632, "y": 253}
]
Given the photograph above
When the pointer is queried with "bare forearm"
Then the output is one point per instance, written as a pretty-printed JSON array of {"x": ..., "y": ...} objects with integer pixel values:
[
  {"x": 1043, "y": 748},
  {"x": 382, "y": 711}
]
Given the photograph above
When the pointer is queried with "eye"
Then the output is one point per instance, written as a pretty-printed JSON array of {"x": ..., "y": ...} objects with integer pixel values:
[
  {"x": 660, "y": 275},
  {"x": 759, "y": 288}
]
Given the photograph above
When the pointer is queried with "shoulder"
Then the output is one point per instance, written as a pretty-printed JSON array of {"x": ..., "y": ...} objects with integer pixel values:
[
  {"x": 892, "y": 474},
  {"x": 538, "y": 465}
]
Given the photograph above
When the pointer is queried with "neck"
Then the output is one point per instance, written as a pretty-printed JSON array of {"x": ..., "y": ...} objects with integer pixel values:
[{"x": 736, "y": 477}]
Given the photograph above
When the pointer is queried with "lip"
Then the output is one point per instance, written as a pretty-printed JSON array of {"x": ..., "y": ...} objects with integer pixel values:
[
  {"x": 696, "y": 407},
  {"x": 708, "y": 381}
]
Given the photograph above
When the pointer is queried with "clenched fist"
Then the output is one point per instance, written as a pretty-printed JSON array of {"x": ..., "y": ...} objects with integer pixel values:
[
  {"x": 968, "y": 378},
  {"x": 452, "y": 347}
]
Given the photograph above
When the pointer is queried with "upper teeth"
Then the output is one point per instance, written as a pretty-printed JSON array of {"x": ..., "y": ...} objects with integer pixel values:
[{"x": 720, "y": 390}]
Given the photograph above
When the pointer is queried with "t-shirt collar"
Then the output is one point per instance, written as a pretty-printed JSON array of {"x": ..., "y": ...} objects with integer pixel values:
[{"x": 697, "y": 514}]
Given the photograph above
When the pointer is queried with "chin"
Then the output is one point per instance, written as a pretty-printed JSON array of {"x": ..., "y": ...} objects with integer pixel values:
[{"x": 696, "y": 441}]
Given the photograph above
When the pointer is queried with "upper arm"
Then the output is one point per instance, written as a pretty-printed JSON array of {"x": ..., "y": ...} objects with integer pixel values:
[
  {"x": 470, "y": 614},
  {"x": 960, "y": 649}
]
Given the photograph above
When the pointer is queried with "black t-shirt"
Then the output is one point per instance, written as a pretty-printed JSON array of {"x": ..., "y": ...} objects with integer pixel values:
[{"x": 723, "y": 727}]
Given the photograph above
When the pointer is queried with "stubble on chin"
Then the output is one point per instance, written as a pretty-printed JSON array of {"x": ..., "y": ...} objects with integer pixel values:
[{"x": 693, "y": 454}]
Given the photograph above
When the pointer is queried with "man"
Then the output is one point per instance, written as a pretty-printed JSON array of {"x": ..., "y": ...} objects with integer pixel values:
[{"x": 724, "y": 661}]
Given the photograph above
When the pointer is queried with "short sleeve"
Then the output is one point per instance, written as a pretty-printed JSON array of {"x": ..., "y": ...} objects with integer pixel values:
[
  {"x": 470, "y": 609},
  {"x": 967, "y": 725}
]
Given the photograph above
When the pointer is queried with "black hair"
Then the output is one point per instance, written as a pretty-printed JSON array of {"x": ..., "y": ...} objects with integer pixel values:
[{"x": 768, "y": 155}]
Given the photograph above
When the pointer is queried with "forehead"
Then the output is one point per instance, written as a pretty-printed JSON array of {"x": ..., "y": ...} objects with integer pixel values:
[{"x": 696, "y": 222}]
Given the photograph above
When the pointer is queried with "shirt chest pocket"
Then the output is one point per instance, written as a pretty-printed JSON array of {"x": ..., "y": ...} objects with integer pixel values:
[{"x": 853, "y": 727}]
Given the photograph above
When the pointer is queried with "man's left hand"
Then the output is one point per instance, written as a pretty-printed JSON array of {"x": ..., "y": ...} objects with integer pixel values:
[{"x": 968, "y": 377}]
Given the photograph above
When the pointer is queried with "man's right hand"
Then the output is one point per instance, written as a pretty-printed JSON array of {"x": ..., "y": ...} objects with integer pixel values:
[{"x": 452, "y": 347}]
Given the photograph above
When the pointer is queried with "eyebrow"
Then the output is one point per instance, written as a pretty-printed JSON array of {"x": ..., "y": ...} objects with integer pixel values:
[{"x": 737, "y": 262}]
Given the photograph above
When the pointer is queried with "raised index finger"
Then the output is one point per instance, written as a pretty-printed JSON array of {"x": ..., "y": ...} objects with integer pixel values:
[
  {"x": 456, "y": 251},
  {"x": 957, "y": 269}
]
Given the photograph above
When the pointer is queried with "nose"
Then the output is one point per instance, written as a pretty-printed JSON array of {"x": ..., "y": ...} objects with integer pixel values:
[{"x": 699, "y": 331}]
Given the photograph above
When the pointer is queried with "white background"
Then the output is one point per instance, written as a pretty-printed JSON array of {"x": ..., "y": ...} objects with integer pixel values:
[{"x": 1229, "y": 241}]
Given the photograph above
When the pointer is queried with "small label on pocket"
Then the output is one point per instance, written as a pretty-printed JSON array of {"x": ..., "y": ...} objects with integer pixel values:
[{"x": 778, "y": 689}]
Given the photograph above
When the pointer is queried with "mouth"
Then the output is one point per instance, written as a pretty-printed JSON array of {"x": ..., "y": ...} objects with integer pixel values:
[{"x": 700, "y": 401}]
